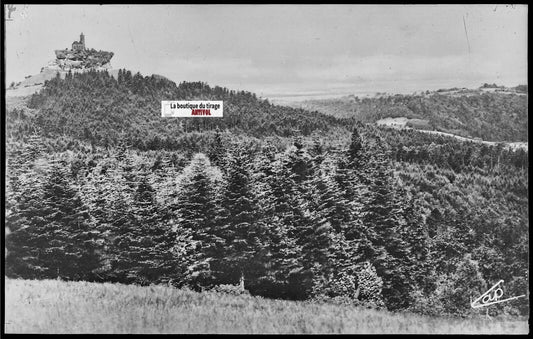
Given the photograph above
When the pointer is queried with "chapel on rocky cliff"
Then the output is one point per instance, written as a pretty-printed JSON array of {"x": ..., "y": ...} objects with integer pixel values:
[{"x": 79, "y": 45}]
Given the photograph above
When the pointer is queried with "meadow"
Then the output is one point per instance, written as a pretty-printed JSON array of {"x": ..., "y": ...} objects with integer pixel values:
[{"x": 53, "y": 306}]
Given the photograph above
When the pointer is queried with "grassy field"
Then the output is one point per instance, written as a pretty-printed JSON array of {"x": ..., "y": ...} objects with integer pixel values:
[{"x": 52, "y": 306}]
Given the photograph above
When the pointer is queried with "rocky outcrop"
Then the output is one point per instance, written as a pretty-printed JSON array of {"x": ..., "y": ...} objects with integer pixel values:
[
  {"x": 70, "y": 59},
  {"x": 73, "y": 60}
]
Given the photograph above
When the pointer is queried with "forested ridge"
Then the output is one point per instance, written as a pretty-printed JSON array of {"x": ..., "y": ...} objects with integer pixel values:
[
  {"x": 302, "y": 205},
  {"x": 492, "y": 116},
  {"x": 100, "y": 109}
]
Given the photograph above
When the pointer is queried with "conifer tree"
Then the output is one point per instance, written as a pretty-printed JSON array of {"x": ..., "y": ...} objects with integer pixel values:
[
  {"x": 414, "y": 232},
  {"x": 325, "y": 207},
  {"x": 281, "y": 213},
  {"x": 370, "y": 285},
  {"x": 241, "y": 224},
  {"x": 383, "y": 215},
  {"x": 350, "y": 186},
  {"x": 21, "y": 161},
  {"x": 26, "y": 226},
  {"x": 119, "y": 232},
  {"x": 143, "y": 241},
  {"x": 106, "y": 199},
  {"x": 217, "y": 153},
  {"x": 354, "y": 154},
  {"x": 292, "y": 190},
  {"x": 153, "y": 252},
  {"x": 59, "y": 235},
  {"x": 196, "y": 210},
  {"x": 349, "y": 242},
  {"x": 299, "y": 162},
  {"x": 74, "y": 226}
]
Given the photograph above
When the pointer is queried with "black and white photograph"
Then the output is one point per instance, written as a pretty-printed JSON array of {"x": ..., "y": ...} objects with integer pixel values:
[{"x": 265, "y": 169}]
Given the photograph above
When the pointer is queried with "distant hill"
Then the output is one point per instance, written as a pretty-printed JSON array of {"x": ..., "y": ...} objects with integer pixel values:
[{"x": 491, "y": 112}]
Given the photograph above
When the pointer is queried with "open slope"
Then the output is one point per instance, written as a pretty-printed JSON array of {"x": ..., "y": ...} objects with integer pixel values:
[{"x": 52, "y": 306}]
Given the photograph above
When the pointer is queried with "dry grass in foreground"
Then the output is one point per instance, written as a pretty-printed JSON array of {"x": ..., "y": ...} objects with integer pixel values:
[{"x": 51, "y": 306}]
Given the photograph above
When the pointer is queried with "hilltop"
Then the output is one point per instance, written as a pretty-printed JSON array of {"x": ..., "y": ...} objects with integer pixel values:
[{"x": 74, "y": 60}]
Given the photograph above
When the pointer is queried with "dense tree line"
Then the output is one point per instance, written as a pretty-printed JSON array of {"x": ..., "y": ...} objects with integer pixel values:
[{"x": 296, "y": 223}]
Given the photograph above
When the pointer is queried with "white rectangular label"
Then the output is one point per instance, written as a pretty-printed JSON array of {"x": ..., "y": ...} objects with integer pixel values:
[{"x": 192, "y": 109}]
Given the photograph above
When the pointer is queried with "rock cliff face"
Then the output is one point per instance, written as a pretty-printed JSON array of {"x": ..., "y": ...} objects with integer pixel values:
[{"x": 81, "y": 59}]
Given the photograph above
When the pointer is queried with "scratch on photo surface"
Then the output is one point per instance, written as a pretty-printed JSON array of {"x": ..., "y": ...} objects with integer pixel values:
[{"x": 466, "y": 33}]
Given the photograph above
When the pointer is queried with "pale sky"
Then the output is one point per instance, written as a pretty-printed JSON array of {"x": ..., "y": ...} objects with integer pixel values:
[{"x": 286, "y": 50}]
